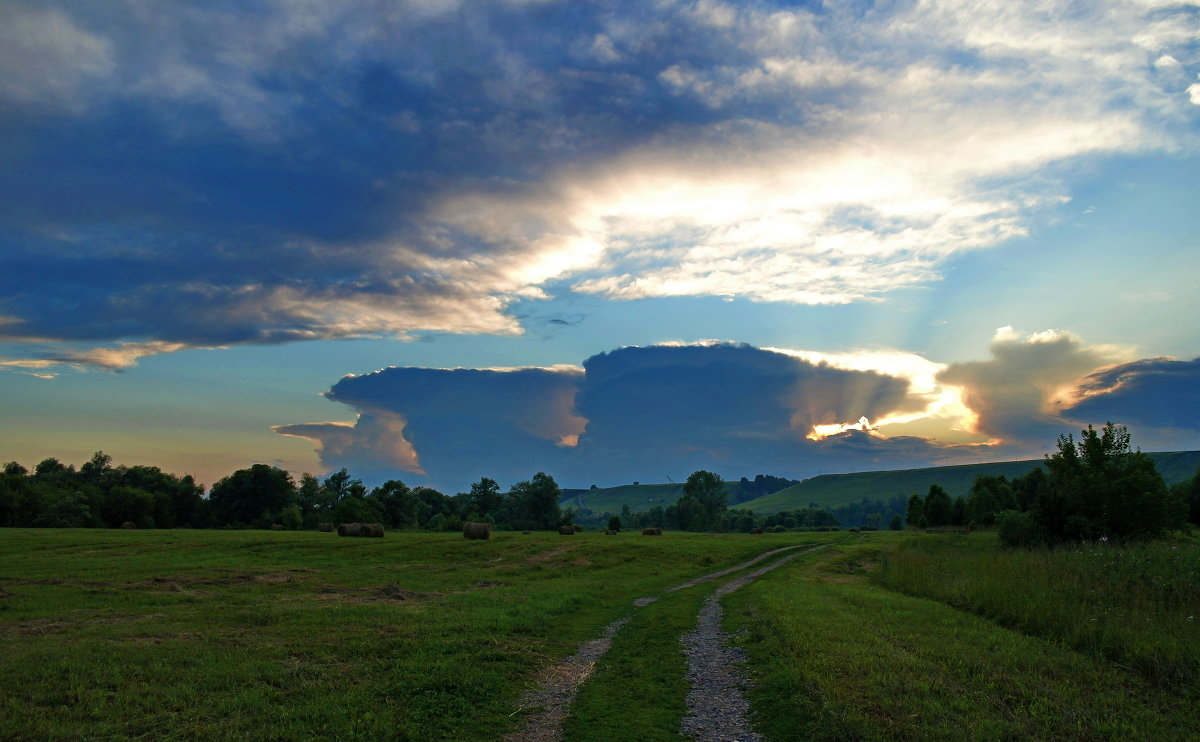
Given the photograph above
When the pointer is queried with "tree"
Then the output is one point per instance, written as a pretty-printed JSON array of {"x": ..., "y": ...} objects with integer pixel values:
[
  {"x": 484, "y": 499},
  {"x": 533, "y": 505},
  {"x": 243, "y": 497},
  {"x": 398, "y": 504},
  {"x": 703, "y": 502},
  {"x": 614, "y": 523},
  {"x": 939, "y": 509},
  {"x": 916, "y": 510},
  {"x": 97, "y": 469},
  {"x": 1187, "y": 495},
  {"x": 1100, "y": 486}
]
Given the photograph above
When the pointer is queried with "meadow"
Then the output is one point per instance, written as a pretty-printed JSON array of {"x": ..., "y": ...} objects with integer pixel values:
[{"x": 109, "y": 634}]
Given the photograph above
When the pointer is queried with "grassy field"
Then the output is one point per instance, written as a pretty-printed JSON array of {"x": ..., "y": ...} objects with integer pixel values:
[
  {"x": 265, "y": 635},
  {"x": 1137, "y": 605},
  {"x": 420, "y": 636},
  {"x": 835, "y": 656}
]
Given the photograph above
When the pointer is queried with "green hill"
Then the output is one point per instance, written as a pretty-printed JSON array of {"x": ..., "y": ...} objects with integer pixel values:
[
  {"x": 611, "y": 499},
  {"x": 834, "y": 490}
]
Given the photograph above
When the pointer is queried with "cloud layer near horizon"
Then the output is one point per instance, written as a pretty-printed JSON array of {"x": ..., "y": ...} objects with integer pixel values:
[
  {"x": 652, "y": 412},
  {"x": 199, "y": 175}
]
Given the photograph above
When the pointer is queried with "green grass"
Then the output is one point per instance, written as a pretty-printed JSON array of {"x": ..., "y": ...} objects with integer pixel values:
[
  {"x": 641, "y": 685},
  {"x": 183, "y": 635},
  {"x": 836, "y": 657},
  {"x": 1137, "y": 605},
  {"x": 260, "y": 635},
  {"x": 638, "y": 497}
]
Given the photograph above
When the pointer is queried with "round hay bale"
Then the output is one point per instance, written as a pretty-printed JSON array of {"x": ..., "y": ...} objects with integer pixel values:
[
  {"x": 325, "y": 527},
  {"x": 566, "y": 530},
  {"x": 129, "y": 524},
  {"x": 477, "y": 531},
  {"x": 350, "y": 529},
  {"x": 756, "y": 531},
  {"x": 578, "y": 528},
  {"x": 372, "y": 530},
  {"x": 651, "y": 531},
  {"x": 276, "y": 526},
  {"x": 526, "y": 533},
  {"x": 610, "y": 532}
]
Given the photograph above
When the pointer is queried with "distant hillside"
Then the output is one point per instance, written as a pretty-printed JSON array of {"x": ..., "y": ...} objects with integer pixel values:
[
  {"x": 611, "y": 499},
  {"x": 834, "y": 490}
]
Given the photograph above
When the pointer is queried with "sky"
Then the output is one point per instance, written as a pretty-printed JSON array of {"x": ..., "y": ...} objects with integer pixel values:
[{"x": 432, "y": 240}]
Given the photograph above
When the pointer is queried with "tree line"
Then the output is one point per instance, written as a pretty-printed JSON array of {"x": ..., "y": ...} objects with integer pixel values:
[{"x": 1095, "y": 487}]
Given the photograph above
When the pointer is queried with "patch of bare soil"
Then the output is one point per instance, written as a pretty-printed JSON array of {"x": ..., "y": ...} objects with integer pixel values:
[
  {"x": 556, "y": 689},
  {"x": 717, "y": 709}
]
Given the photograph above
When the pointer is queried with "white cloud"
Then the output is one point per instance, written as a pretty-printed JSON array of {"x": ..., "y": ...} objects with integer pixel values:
[{"x": 47, "y": 58}]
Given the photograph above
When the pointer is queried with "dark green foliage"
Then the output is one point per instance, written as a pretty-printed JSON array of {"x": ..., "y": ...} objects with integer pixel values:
[
  {"x": 897, "y": 523},
  {"x": 989, "y": 495},
  {"x": 1186, "y": 498},
  {"x": 702, "y": 503},
  {"x": 245, "y": 495},
  {"x": 533, "y": 505},
  {"x": 1017, "y": 529},
  {"x": 1101, "y": 487},
  {"x": 98, "y": 495},
  {"x": 939, "y": 509},
  {"x": 916, "y": 510},
  {"x": 614, "y": 523}
]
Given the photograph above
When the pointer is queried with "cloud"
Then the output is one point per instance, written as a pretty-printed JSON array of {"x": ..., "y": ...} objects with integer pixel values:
[
  {"x": 375, "y": 442},
  {"x": 633, "y": 413},
  {"x": 442, "y": 420},
  {"x": 211, "y": 176},
  {"x": 1150, "y": 393},
  {"x": 1017, "y": 395}
]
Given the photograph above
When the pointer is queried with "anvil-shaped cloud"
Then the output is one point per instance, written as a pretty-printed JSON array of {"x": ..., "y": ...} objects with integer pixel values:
[
  {"x": 648, "y": 413},
  {"x": 200, "y": 174}
]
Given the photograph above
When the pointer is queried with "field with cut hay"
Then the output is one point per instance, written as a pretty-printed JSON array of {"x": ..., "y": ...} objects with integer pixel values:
[{"x": 119, "y": 634}]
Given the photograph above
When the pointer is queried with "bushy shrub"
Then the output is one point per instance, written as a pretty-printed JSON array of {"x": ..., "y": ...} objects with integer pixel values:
[{"x": 1017, "y": 529}]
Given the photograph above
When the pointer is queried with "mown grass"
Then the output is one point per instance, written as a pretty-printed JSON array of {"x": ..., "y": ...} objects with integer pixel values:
[
  {"x": 1137, "y": 605},
  {"x": 834, "y": 656},
  {"x": 253, "y": 635}
]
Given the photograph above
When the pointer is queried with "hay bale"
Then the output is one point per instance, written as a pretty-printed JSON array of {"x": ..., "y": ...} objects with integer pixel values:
[
  {"x": 372, "y": 530},
  {"x": 756, "y": 531},
  {"x": 526, "y": 533},
  {"x": 325, "y": 527},
  {"x": 276, "y": 526},
  {"x": 610, "y": 532},
  {"x": 566, "y": 530},
  {"x": 651, "y": 531},
  {"x": 482, "y": 531},
  {"x": 350, "y": 529},
  {"x": 129, "y": 524},
  {"x": 578, "y": 528}
]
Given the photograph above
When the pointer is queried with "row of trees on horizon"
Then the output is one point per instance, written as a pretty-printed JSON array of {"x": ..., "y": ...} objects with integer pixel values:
[{"x": 1092, "y": 488}]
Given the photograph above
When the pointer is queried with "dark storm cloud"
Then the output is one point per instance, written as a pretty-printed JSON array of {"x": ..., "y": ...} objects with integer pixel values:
[
  {"x": 206, "y": 173},
  {"x": 634, "y": 413},
  {"x": 1153, "y": 392}
]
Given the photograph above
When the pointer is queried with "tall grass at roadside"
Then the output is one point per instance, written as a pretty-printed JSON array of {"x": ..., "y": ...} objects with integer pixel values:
[
  {"x": 1137, "y": 605},
  {"x": 832, "y": 656}
]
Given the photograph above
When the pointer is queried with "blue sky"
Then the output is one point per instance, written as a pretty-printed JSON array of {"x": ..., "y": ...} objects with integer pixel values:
[{"x": 611, "y": 241}]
